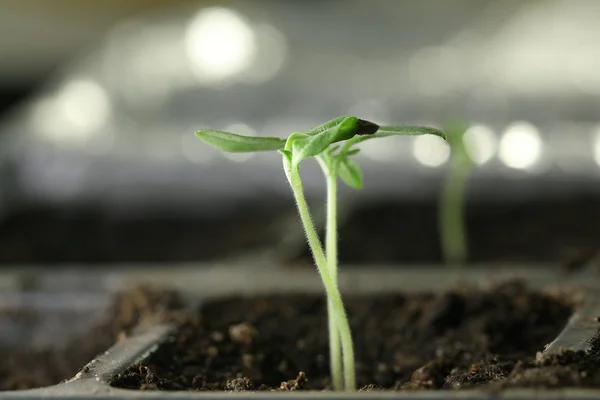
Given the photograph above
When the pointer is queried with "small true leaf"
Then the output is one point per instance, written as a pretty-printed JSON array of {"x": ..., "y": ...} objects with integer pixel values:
[
  {"x": 350, "y": 173},
  {"x": 286, "y": 154},
  {"x": 352, "y": 152},
  {"x": 234, "y": 143},
  {"x": 291, "y": 140}
]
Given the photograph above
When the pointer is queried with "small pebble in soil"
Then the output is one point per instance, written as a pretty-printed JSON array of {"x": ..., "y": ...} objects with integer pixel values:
[
  {"x": 294, "y": 384},
  {"x": 239, "y": 385},
  {"x": 243, "y": 333}
]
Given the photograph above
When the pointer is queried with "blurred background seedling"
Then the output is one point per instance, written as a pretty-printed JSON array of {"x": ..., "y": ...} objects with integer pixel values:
[{"x": 452, "y": 221}]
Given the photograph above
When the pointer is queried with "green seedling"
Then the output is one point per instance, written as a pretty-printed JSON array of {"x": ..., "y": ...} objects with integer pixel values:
[
  {"x": 332, "y": 145},
  {"x": 452, "y": 201}
]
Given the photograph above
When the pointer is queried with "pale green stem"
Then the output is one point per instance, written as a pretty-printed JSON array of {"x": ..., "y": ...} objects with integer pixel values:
[
  {"x": 452, "y": 220},
  {"x": 335, "y": 348},
  {"x": 331, "y": 289}
]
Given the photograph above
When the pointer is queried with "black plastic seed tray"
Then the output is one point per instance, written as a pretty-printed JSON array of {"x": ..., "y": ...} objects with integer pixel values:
[{"x": 202, "y": 283}]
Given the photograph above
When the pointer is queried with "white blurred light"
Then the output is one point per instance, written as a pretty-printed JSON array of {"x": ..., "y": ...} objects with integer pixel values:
[
  {"x": 156, "y": 64},
  {"x": 430, "y": 150},
  {"x": 271, "y": 54},
  {"x": 219, "y": 44},
  {"x": 75, "y": 114},
  {"x": 383, "y": 150},
  {"x": 481, "y": 143},
  {"x": 194, "y": 149},
  {"x": 597, "y": 146},
  {"x": 85, "y": 104},
  {"x": 240, "y": 129},
  {"x": 520, "y": 146}
]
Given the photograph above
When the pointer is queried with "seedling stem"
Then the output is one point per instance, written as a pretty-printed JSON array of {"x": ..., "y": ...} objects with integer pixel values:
[
  {"x": 335, "y": 350},
  {"x": 339, "y": 327}
]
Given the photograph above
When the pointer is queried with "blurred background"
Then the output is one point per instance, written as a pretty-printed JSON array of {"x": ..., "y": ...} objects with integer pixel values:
[{"x": 99, "y": 102}]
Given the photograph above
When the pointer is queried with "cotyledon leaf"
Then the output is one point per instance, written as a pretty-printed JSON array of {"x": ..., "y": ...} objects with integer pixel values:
[
  {"x": 385, "y": 131},
  {"x": 235, "y": 143}
]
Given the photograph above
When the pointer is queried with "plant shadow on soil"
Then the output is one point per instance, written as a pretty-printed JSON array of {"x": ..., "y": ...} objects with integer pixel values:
[{"x": 458, "y": 339}]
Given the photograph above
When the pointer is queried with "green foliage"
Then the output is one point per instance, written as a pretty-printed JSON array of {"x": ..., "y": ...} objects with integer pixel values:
[
  {"x": 350, "y": 173},
  {"x": 318, "y": 141},
  {"x": 234, "y": 143}
]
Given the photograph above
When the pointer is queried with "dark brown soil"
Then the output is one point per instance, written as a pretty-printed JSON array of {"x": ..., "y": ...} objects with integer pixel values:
[
  {"x": 458, "y": 339},
  {"x": 27, "y": 368}
]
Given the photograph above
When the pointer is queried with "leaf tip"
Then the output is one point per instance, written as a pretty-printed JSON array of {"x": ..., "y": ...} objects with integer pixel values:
[{"x": 366, "y": 127}]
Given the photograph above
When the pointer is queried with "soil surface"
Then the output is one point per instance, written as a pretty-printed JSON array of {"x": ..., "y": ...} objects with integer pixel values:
[
  {"x": 27, "y": 368},
  {"x": 458, "y": 339}
]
